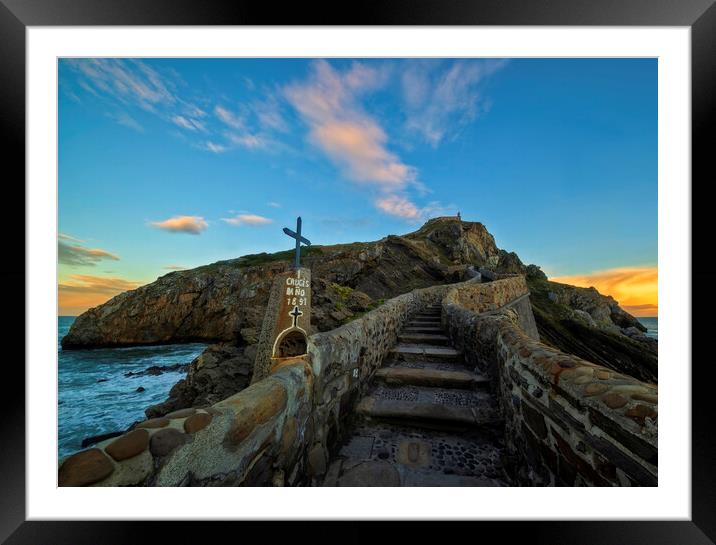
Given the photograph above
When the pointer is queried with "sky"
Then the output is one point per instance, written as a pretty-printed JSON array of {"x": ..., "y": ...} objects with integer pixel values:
[{"x": 167, "y": 164}]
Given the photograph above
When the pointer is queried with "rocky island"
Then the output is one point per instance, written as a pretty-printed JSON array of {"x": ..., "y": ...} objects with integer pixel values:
[{"x": 462, "y": 305}]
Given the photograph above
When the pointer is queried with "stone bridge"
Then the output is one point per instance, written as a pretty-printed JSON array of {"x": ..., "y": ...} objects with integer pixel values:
[{"x": 447, "y": 385}]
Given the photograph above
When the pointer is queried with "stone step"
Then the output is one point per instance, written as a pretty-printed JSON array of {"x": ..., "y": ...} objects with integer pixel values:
[
  {"x": 423, "y": 322},
  {"x": 420, "y": 456},
  {"x": 431, "y": 313},
  {"x": 454, "y": 378},
  {"x": 423, "y": 338},
  {"x": 433, "y": 329},
  {"x": 430, "y": 407},
  {"x": 424, "y": 352}
]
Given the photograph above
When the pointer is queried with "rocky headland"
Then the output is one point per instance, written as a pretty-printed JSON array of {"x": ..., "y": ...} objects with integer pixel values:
[{"x": 223, "y": 303}]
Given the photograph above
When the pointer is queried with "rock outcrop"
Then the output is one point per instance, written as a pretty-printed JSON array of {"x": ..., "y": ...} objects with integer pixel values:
[
  {"x": 217, "y": 373},
  {"x": 583, "y": 322},
  {"x": 225, "y": 301}
]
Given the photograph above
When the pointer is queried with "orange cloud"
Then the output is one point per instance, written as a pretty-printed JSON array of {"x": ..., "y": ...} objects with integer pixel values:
[
  {"x": 247, "y": 219},
  {"x": 360, "y": 148},
  {"x": 182, "y": 224},
  {"x": 83, "y": 291},
  {"x": 351, "y": 138},
  {"x": 398, "y": 206},
  {"x": 635, "y": 288}
]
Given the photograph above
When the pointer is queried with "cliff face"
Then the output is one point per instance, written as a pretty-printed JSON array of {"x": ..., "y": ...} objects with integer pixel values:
[{"x": 225, "y": 301}]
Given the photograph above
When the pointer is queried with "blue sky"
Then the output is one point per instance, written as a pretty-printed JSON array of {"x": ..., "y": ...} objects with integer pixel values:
[{"x": 167, "y": 163}]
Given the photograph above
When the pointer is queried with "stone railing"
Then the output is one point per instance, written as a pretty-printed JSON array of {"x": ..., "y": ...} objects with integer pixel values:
[
  {"x": 568, "y": 421},
  {"x": 254, "y": 437}
]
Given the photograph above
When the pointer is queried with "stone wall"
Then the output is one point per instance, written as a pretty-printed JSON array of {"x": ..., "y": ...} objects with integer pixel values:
[
  {"x": 568, "y": 421},
  {"x": 255, "y": 437}
]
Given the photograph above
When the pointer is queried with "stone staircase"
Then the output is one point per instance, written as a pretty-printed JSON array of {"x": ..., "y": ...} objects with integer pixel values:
[{"x": 426, "y": 419}]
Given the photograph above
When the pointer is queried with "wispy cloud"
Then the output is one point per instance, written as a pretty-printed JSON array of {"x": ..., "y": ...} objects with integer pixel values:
[
  {"x": 174, "y": 268},
  {"x": 192, "y": 225},
  {"x": 329, "y": 104},
  {"x": 214, "y": 147},
  {"x": 249, "y": 141},
  {"x": 247, "y": 219},
  {"x": 229, "y": 118},
  {"x": 441, "y": 100},
  {"x": 268, "y": 113},
  {"x": 632, "y": 287},
  {"x": 81, "y": 292},
  {"x": 127, "y": 80},
  {"x": 398, "y": 206},
  {"x": 126, "y": 120},
  {"x": 76, "y": 255},
  {"x": 188, "y": 123},
  {"x": 401, "y": 207},
  {"x": 132, "y": 83},
  {"x": 273, "y": 204},
  {"x": 65, "y": 236}
]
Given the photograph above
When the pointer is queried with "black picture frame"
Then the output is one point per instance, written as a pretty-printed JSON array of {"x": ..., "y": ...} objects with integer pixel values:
[{"x": 699, "y": 15}]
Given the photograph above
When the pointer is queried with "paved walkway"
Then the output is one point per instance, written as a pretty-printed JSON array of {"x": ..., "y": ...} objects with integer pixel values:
[{"x": 426, "y": 419}]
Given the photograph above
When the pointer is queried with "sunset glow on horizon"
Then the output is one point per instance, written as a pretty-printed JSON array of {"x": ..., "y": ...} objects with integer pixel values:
[{"x": 634, "y": 288}]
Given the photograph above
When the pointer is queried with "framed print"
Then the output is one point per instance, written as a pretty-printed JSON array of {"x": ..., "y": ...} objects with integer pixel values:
[{"x": 422, "y": 250}]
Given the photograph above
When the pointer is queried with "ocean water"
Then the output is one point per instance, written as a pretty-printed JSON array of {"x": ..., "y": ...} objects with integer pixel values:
[
  {"x": 652, "y": 326},
  {"x": 95, "y": 396}
]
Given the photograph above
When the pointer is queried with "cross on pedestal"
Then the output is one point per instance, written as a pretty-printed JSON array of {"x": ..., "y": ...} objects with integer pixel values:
[
  {"x": 295, "y": 313},
  {"x": 299, "y": 240}
]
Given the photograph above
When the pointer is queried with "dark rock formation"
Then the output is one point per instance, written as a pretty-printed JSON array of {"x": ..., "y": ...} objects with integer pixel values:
[
  {"x": 155, "y": 370},
  {"x": 218, "y": 372},
  {"x": 583, "y": 322}
]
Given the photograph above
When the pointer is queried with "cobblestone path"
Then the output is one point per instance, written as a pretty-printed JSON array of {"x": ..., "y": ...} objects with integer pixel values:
[{"x": 426, "y": 419}]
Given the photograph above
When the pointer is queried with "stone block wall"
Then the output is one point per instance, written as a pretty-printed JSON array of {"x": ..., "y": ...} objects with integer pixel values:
[
  {"x": 490, "y": 296},
  {"x": 568, "y": 421},
  {"x": 464, "y": 303},
  {"x": 256, "y": 437}
]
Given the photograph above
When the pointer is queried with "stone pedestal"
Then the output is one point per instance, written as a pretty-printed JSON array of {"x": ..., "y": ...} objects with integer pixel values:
[{"x": 284, "y": 333}]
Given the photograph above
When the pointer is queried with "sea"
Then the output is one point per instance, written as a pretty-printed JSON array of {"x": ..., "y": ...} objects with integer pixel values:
[
  {"x": 95, "y": 396},
  {"x": 652, "y": 326}
]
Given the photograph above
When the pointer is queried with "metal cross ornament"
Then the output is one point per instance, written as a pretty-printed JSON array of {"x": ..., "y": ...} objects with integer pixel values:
[{"x": 299, "y": 240}]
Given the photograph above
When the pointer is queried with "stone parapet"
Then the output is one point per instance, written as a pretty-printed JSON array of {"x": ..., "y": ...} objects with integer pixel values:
[
  {"x": 568, "y": 421},
  {"x": 255, "y": 437}
]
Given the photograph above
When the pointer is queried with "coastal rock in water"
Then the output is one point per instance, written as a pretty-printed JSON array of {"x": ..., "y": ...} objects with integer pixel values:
[
  {"x": 155, "y": 370},
  {"x": 220, "y": 371}
]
